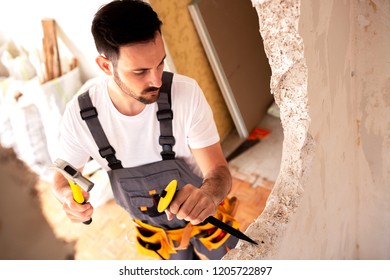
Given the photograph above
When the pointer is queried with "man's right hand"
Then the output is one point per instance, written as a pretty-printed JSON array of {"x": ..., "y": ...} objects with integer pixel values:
[{"x": 76, "y": 212}]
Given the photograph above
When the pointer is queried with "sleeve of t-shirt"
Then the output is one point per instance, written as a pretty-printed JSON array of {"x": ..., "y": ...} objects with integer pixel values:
[
  {"x": 203, "y": 131},
  {"x": 70, "y": 148}
]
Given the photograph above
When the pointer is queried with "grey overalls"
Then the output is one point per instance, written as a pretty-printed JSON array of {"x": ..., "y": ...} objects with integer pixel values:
[{"x": 136, "y": 189}]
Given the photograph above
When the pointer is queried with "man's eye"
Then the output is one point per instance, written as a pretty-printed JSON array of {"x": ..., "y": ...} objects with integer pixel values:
[{"x": 139, "y": 72}]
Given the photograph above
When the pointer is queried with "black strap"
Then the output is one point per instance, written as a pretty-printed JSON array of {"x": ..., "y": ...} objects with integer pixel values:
[
  {"x": 89, "y": 114},
  {"x": 165, "y": 116}
]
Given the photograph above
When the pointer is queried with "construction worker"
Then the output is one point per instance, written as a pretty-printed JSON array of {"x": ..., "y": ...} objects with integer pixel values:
[{"x": 147, "y": 127}]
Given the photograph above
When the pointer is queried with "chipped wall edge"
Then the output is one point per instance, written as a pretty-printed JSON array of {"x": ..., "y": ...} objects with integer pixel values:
[{"x": 278, "y": 21}]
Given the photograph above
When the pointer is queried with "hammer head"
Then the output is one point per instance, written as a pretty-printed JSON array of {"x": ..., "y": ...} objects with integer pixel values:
[{"x": 72, "y": 174}]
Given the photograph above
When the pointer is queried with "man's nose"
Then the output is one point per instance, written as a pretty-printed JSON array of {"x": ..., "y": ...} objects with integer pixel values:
[{"x": 155, "y": 79}]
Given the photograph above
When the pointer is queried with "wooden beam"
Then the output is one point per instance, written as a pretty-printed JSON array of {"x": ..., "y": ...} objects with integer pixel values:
[{"x": 50, "y": 49}]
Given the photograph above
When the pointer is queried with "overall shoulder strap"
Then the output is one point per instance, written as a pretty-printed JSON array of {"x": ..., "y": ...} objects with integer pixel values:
[
  {"x": 165, "y": 116},
  {"x": 89, "y": 114}
]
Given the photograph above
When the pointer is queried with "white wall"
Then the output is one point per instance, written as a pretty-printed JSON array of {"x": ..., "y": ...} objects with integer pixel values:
[
  {"x": 21, "y": 21},
  {"x": 331, "y": 198},
  {"x": 345, "y": 212}
]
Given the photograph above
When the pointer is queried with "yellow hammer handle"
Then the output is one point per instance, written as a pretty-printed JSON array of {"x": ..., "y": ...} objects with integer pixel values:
[{"x": 77, "y": 194}]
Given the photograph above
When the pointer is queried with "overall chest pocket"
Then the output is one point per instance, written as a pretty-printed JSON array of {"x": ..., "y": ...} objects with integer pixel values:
[
  {"x": 140, "y": 194},
  {"x": 138, "y": 188}
]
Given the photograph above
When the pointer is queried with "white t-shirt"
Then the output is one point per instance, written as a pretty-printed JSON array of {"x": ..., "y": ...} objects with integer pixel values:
[{"x": 135, "y": 138}]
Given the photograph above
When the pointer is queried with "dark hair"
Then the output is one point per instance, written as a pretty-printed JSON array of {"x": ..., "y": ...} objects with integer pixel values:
[{"x": 123, "y": 22}]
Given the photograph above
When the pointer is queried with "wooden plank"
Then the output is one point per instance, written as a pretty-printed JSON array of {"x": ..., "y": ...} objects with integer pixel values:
[{"x": 50, "y": 49}]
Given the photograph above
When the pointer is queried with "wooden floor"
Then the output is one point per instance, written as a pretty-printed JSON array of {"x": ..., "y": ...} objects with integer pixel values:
[
  {"x": 251, "y": 201},
  {"x": 111, "y": 234}
]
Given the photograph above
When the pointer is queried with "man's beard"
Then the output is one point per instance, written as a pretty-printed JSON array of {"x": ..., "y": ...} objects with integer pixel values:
[{"x": 144, "y": 98}]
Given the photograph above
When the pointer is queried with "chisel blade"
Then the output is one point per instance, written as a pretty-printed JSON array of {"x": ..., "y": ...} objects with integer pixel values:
[{"x": 229, "y": 229}]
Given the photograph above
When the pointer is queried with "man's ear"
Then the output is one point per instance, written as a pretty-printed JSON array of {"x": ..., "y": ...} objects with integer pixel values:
[{"x": 105, "y": 65}]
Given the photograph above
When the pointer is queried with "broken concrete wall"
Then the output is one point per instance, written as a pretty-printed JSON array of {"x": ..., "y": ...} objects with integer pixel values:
[
  {"x": 330, "y": 78},
  {"x": 371, "y": 76}
]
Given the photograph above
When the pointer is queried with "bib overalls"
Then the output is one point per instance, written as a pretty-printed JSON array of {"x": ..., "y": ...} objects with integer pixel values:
[{"x": 137, "y": 190}]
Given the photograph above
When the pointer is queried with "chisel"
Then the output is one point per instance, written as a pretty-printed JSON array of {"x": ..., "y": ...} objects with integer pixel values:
[{"x": 167, "y": 196}]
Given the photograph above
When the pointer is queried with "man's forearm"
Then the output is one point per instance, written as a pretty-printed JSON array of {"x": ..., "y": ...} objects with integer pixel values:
[{"x": 217, "y": 184}]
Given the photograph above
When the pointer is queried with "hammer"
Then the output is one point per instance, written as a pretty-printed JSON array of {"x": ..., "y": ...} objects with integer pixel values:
[{"x": 75, "y": 179}]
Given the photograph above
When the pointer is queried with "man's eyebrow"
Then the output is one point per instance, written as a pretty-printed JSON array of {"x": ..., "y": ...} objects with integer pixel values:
[
  {"x": 143, "y": 69},
  {"x": 162, "y": 61}
]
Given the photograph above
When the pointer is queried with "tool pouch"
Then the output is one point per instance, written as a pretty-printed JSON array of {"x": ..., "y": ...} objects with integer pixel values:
[
  {"x": 153, "y": 241},
  {"x": 159, "y": 243}
]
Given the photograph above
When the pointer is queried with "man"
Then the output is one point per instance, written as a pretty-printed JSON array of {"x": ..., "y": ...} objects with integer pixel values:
[{"x": 145, "y": 137}]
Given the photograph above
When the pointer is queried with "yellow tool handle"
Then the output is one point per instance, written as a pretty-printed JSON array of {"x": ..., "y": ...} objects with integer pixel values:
[
  {"x": 167, "y": 196},
  {"x": 78, "y": 196},
  {"x": 77, "y": 193}
]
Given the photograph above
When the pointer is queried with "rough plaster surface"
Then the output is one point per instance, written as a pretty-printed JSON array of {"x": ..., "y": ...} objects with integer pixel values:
[
  {"x": 284, "y": 49},
  {"x": 331, "y": 199},
  {"x": 371, "y": 73}
]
